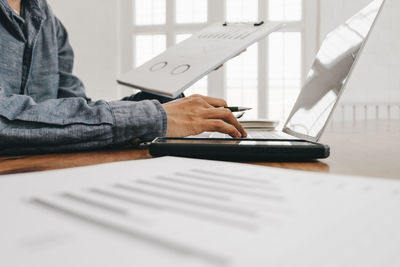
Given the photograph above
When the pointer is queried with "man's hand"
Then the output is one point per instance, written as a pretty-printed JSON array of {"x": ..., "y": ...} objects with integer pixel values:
[{"x": 197, "y": 114}]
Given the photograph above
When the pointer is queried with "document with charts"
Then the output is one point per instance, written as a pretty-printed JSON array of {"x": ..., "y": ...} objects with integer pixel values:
[
  {"x": 176, "y": 212},
  {"x": 182, "y": 65}
]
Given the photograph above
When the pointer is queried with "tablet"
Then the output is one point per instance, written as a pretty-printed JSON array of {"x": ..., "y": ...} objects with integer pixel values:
[{"x": 244, "y": 150}]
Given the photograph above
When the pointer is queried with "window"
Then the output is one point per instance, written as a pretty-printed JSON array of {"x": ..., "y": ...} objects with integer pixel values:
[
  {"x": 284, "y": 72},
  {"x": 242, "y": 81},
  {"x": 148, "y": 46},
  {"x": 191, "y": 11},
  {"x": 285, "y": 10},
  {"x": 267, "y": 77},
  {"x": 241, "y": 10},
  {"x": 149, "y": 12}
]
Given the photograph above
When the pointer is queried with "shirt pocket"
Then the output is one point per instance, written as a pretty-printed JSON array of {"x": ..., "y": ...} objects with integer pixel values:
[
  {"x": 11, "y": 52},
  {"x": 11, "y": 60},
  {"x": 42, "y": 87}
]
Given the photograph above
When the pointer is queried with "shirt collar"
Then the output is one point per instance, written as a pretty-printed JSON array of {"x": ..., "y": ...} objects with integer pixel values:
[
  {"x": 32, "y": 6},
  {"x": 6, "y": 9},
  {"x": 34, "y": 9}
]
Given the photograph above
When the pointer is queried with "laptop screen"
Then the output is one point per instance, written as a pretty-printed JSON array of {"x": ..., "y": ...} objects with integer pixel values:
[{"x": 329, "y": 74}]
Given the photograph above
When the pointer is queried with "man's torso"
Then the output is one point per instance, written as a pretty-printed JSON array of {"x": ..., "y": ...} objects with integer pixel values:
[{"x": 29, "y": 51}]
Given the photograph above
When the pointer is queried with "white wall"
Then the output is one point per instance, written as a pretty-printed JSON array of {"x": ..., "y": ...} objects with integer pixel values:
[
  {"x": 335, "y": 12},
  {"x": 377, "y": 76},
  {"x": 93, "y": 29}
]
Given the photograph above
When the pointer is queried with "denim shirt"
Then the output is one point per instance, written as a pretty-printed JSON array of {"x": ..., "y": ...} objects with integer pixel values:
[{"x": 43, "y": 106}]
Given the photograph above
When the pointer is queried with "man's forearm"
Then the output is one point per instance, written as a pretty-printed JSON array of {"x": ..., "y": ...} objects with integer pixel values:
[{"x": 74, "y": 124}]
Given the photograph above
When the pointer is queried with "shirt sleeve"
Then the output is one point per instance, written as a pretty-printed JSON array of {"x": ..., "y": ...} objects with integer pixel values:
[{"x": 74, "y": 124}]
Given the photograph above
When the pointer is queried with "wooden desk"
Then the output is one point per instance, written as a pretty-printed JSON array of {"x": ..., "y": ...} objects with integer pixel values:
[{"x": 363, "y": 148}]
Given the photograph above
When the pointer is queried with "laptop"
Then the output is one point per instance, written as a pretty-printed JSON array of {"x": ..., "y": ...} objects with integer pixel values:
[{"x": 324, "y": 85}]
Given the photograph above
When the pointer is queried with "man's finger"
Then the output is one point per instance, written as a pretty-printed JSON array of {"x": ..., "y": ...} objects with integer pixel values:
[
  {"x": 227, "y": 116},
  {"x": 221, "y": 127},
  {"x": 215, "y": 102}
]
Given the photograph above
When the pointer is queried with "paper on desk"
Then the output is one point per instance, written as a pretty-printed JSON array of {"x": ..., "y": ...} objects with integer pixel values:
[
  {"x": 184, "y": 212},
  {"x": 259, "y": 124}
]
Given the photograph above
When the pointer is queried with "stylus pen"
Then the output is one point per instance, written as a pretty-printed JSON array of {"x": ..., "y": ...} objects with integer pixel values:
[{"x": 238, "y": 109}]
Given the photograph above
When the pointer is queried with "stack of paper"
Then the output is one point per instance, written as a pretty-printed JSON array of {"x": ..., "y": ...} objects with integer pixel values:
[{"x": 259, "y": 124}]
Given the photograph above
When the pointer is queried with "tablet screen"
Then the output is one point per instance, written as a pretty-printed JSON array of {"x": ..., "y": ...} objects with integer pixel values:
[{"x": 250, "y": 142}]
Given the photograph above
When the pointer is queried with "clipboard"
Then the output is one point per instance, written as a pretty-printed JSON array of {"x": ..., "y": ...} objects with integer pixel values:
[{"x": 182, "y": 65}]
